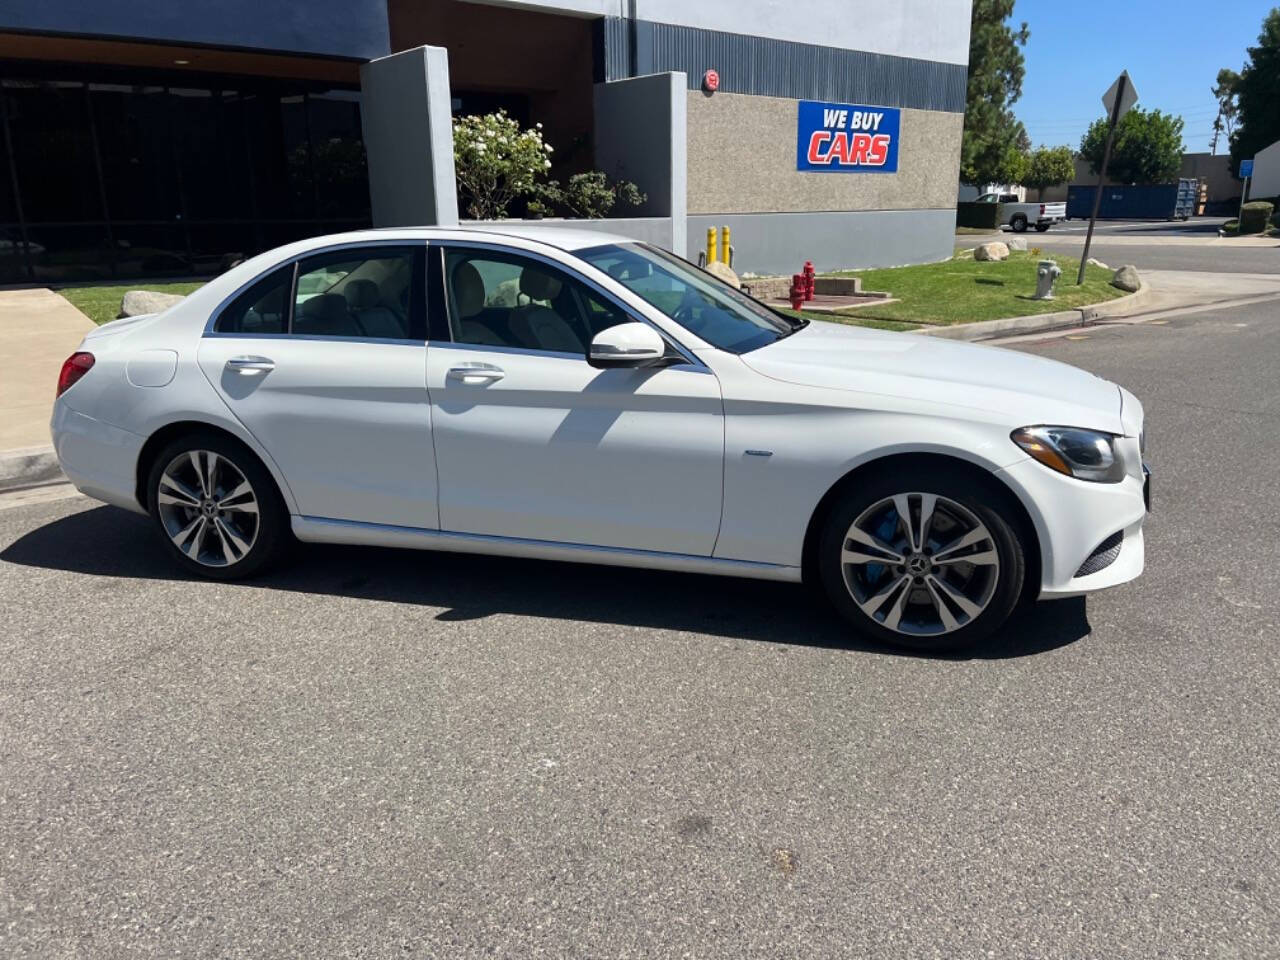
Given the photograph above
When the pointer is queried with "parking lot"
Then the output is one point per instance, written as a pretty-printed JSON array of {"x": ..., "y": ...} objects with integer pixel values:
[{"x": 379, "y": 753}]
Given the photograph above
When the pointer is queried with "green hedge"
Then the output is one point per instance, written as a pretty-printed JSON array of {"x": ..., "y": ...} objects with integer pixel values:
[
  {"x": 1254, "y": 216},
  {"x": 980, "y": 215}
]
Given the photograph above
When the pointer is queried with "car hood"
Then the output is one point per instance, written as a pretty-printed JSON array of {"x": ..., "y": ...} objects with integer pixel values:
[{"x": 1015, "y": 388}]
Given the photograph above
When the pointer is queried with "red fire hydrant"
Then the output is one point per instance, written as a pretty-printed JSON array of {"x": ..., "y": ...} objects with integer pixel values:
[
  {"x": 809, "y": 273},
  {"x": 797, "y": 292}
]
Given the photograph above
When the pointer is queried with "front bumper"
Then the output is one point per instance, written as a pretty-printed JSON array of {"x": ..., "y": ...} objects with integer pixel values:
[{"x": 1073, "y": 518}]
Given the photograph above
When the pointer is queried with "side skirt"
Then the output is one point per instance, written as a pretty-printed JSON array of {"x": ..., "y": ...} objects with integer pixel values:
[{"x": 322, "y": 530}]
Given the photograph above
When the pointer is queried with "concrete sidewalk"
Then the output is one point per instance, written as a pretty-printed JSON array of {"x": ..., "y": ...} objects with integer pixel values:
[{"x": 38, "y": 331}]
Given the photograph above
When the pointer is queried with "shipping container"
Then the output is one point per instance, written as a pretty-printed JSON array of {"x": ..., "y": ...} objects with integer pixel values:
[{"x": 1159, "y": 201}]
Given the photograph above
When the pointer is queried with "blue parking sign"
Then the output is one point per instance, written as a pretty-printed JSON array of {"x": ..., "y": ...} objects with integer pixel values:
[{"x": 1246, "y": 169}]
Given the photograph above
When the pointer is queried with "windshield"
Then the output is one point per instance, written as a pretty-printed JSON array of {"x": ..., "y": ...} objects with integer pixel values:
[{"x": 691, "y": 297}]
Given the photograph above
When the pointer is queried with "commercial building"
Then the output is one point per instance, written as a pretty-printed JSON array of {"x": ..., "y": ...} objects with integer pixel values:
[{"x": 147, "y": 138}]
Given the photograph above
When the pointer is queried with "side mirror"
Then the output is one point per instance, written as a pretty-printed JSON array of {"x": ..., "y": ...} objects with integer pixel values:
[{"x": 631, "y": 344}]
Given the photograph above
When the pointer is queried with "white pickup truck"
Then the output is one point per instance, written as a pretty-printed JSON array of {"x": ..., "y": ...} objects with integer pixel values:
[{"x": 1018, "y": 216}]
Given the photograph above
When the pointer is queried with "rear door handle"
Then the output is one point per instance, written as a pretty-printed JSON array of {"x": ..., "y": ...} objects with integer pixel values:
[
  {"x": 251, "y": 365},
  {"x": 475, "y": 374}
]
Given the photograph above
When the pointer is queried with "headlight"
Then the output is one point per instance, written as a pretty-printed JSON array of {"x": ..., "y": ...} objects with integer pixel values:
[{"x": 1083, "y": 454}]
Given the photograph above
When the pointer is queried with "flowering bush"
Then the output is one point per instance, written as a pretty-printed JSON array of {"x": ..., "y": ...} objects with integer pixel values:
[
  {"x": 591, "y": 194},
  {"x": 495, "y": 162}
]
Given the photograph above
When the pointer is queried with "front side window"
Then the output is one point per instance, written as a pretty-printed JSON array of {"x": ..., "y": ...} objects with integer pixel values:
[
  {"x": 506, "y": 300},
  {"x": 719, "y": 314}
]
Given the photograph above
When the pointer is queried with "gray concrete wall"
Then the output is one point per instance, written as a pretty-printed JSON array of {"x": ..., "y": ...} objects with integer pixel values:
[
  {"x": 640, "y": 135},
  {"x": 408, "y": 138},
  {"x": 742, "y": 159},
  {"x": 656, "y": 230},
  {"x": 780, "y": 243}
]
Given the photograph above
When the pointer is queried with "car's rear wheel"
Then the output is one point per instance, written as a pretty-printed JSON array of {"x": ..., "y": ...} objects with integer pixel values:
[
  {"x": 1019, "y": 224},
  {"x": 217, "y": 507},
  {"x": 919, "y": 560},
  {"x": 1041, "y": 227}
]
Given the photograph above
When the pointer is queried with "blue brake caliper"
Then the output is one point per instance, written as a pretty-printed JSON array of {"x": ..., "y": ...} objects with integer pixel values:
[{"x": 886, "y": 532}]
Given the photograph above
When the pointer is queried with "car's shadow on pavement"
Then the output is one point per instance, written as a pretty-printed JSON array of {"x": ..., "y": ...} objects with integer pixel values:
[{"x": 109, "y": 542}]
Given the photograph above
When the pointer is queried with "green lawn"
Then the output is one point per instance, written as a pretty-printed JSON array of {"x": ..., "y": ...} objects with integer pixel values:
[
  {"x": 102, "y": 303},
  {"x": 964, "y": 290}
]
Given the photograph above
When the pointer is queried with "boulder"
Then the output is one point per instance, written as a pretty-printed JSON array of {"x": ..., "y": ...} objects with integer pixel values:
[
  {"x": 1127, "y": 278},
  {"x": 995, "y": 250},
  {"x": 136, "y": 303},
  {"x": 1017, "y": 243},
  {"x": 725, "y": 273}
]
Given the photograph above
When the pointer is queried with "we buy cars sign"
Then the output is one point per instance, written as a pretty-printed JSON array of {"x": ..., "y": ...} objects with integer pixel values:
[{"x": 847, "y": 138}]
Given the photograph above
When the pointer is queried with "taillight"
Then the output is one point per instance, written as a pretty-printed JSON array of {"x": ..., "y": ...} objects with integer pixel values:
[
  {"x": 1042, "y": 209},
  {"x": 73, "y": 368}
]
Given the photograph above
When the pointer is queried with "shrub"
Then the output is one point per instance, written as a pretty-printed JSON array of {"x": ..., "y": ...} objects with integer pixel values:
[
  {"x": 1254, "y": 216},
  {"x": 495, "y": 162},
  {"x": 590, "y": 195},
  {"x": 980, "y": 215}
]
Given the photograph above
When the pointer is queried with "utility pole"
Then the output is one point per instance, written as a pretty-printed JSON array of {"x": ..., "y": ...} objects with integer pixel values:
[{"x": 1118, "y": 99}]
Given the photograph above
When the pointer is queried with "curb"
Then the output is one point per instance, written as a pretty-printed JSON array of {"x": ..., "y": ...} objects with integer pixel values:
[
  {"x": 29, "y": 467},
  {"x": 1040, "y": 322}
]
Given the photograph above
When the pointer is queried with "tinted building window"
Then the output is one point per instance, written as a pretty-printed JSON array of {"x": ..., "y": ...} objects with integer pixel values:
[{"x": 123, "y": 173}]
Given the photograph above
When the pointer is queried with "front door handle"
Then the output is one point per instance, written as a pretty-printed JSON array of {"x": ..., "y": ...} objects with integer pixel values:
[
  {"x": 475, "y": 374},
  {"x": 251, "y": 365}
]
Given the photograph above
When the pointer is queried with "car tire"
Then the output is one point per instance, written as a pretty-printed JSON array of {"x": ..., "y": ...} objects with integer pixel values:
[
  {"x": 217, "y": 508},
  {"x": 1041, "y": 227},
  {"x": 934, "y": 600},
  {"x": 1019, "y": 224}
]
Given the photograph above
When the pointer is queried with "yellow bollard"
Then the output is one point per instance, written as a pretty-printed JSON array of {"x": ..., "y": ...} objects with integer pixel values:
[
  {"x": 724, "y": 245},
  {"x": 711, "y": 244}
]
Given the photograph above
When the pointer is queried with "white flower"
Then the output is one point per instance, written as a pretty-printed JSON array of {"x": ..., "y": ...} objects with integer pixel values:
[
  {"x": 546, "y": 147},
  {"x": 546, "y": 164},
  {"x": 538, "y": 125},
  {"x": 480, "y": 147}
]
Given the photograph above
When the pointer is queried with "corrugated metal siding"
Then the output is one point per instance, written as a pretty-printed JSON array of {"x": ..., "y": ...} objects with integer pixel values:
[{"x": 782, "y": 68}]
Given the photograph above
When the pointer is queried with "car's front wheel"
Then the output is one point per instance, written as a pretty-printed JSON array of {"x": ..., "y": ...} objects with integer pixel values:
[
  {"x": 216, "y": 506},
  {"x": 916, "y": 559}
]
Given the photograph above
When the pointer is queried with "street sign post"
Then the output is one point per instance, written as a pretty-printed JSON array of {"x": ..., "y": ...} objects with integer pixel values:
[
  {"x": 1118, "y": 100},
  {"x": 1246, "y": 171}
]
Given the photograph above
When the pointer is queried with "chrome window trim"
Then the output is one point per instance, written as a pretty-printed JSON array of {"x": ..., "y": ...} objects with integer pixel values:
[
  {"x": 293, "y": 261},
  {"x": 444, "y": 244}
]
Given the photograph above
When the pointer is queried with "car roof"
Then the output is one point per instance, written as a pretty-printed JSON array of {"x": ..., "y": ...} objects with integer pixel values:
[{"x": 562, "y": 234}]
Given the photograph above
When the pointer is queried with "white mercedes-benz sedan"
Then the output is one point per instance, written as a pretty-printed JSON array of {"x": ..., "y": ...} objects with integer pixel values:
[{"x": 558, "y": 393}]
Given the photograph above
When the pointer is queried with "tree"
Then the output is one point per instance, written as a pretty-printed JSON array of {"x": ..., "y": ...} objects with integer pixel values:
[
  {"x": 1048, "y": 167},
  {"x": 992, "y": 135},
  {"x": 1147, "y": 149},
  {"x": 495, "y": 162},
  {"x": 1258, "y": 93},
  {"x": 1224, "y": 91}
]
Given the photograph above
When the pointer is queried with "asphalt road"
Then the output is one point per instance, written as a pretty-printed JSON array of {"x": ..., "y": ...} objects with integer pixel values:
[
  {"x": 1117, "y": 242},
  {"x": 394, "y": 754}
]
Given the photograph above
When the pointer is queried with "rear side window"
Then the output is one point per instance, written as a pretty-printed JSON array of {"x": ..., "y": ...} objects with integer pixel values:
[
  {"x": 371, "y": 293},
  {"x": 263, "y": 308}
]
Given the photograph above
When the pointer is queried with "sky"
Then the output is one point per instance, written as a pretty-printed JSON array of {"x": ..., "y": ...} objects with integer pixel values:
[{"x": 1172, "y": 49}]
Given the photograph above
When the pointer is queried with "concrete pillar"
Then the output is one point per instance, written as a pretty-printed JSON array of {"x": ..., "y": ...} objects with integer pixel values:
[
  {"x": 641, "y": 132},
  {"x": 408, "y": 138}
]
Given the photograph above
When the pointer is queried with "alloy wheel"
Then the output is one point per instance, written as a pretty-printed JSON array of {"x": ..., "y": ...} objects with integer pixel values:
[
  {"x": 208, "y": 508},
  {"x": 920, "y": 564}
]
